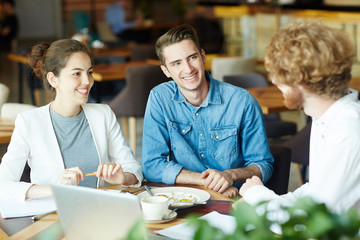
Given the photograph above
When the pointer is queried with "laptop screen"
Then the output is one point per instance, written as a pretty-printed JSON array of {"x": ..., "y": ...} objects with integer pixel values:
[{"x": 87, "y": 213}]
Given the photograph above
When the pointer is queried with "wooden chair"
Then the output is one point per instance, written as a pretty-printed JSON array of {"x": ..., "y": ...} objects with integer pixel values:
[
  {"x": 279, "y": 181},
  {"x": 130, "y": 103},
  {"x": 142, "y": 53}
]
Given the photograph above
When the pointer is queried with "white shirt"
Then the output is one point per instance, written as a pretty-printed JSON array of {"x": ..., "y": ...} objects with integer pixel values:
[{"x": 334, "y": 161}]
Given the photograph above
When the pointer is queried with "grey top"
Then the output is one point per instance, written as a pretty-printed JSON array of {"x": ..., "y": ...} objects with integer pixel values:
[{"x": 76, "y": 144}]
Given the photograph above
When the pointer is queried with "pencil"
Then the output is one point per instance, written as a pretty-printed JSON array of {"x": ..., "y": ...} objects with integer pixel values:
[
  {"x": 90, "y": 174},
  {"x": 38, "y": 217}
]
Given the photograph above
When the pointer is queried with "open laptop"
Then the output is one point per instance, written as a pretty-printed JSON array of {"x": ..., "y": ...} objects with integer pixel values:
[{"x": 87, "y": 213}]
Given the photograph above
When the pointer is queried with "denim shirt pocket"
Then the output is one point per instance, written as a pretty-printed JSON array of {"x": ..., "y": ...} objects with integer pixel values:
[
  {"x": 180, "y": 137},
  {"x": 224, "y": 142}
]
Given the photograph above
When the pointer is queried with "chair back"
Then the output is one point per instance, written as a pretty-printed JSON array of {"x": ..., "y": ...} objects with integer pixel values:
[
  {"x": 11, "y": 110},
  {"x": 223, "y": 66},
  {"x": 142, "y": 52},
  {"x": 105, "y": 32},
  {"x": 247, "y": 80},
  {"x": 279, "y": 181},
  {"x": 131, "y": 101},
  {"x": 4, "y": 94},
  {"x": 300, "y": 145}
]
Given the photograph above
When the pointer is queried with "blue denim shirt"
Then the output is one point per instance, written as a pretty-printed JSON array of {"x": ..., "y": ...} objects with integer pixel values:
[{"x": 227, "y": 131}]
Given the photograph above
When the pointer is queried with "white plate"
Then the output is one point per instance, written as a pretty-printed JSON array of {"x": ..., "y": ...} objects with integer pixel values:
[
  {"x": 196, "y": 194},
  {"x": 168, "y": 219}
]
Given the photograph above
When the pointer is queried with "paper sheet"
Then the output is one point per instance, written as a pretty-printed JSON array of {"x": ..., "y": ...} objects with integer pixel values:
[
  {"x": 10, "y": 209},
  {"x": 183, "y": 232}
]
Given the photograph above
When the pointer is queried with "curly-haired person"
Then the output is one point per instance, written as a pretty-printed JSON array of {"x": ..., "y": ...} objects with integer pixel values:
[{"x": 311, "y": 64}]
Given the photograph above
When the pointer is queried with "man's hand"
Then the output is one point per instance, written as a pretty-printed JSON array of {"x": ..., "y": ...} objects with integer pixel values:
[
  {"x": 250, "y": 182},
  {"x": 216, "y": 180},
  {"x": 231, "y": 192}
]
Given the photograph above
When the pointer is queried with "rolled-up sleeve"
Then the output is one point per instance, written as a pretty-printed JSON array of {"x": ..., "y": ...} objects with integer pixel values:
[
  {"x": 255, "y": 145},
  {"x": 156, "y": 149}
]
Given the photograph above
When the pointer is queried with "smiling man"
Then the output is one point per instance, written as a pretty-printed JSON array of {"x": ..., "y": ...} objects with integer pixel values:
[{"x": 198, "y": 130}]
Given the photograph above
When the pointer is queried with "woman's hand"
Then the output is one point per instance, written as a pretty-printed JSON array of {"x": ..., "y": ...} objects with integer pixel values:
[
  {"x": 112, "y": 173},
  {"x": 70, "y": 176},
  {"x": 250, "y": 182}
]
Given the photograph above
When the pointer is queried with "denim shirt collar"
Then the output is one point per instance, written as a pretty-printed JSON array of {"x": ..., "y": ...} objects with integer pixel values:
[{"x": 213, "y": 97}]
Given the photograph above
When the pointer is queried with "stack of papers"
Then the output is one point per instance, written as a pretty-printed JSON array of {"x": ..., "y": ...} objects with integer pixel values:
[
  {"x": 11, "y": 209},
  {"x": 183, "y": 231}
]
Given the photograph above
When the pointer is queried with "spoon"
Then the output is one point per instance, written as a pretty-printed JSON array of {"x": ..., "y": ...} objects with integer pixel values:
[
  {"x": 167, "y": 216},
  {"x": 147, "y": 188}
]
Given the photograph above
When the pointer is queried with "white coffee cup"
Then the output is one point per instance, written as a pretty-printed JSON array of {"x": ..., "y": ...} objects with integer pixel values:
[{"x": 155, "y": 207}]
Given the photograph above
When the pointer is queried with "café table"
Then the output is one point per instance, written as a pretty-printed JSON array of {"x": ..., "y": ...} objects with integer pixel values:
[
  {"x": 115, "y": 71},
  {"x": 123, "y": 51},
  {"x": 51, "y": 223},
  {"x": 270, "y": 99},
  {"x": 355, "y": 83}
]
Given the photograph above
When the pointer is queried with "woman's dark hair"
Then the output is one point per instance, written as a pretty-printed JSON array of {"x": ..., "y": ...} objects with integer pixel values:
[{"x": 45, "y": 58}]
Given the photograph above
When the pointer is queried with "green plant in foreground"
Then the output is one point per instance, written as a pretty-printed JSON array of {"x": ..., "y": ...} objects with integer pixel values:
[{"x": 306, "y": 219}]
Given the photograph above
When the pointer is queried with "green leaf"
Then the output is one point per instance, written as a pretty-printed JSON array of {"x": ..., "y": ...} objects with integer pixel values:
[
  {"x": 307, "y": 219},
  {"x": 138, "y": 231},
  {"x": 319, "y": 224}
]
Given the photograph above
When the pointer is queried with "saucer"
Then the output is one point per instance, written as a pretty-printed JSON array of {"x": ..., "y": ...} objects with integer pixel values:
[{"x": 168, "y": 218}]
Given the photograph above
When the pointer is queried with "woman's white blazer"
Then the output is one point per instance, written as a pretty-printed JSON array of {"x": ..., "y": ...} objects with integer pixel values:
[{"x": 34, "y": 141}]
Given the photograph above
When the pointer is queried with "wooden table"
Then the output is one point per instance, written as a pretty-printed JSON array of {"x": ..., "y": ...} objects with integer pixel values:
[
  {"x": 355, "y": 83},
  {"x": 6, "y": 129},
  {"x": 270, "y": 99},
  {"x": 111, "y": 52},
  {"x": 115, "y": 71},
  {"x": 217, "y": 202}
]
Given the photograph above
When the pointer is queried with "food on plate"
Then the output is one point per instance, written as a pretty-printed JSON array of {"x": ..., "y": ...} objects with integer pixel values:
[
  {"x": 176, "y": 197},
  {"x": 161, "y": 195}
]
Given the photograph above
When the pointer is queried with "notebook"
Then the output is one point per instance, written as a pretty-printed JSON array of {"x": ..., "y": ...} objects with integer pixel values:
[{"x": 87, "y": 213}]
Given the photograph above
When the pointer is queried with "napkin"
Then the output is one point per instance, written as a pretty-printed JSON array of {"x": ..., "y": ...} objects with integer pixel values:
[{"x": 183, "y": 231}]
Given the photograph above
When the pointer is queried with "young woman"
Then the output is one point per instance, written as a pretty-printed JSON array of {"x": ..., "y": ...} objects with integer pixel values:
[{"x": 68, "y": 137}]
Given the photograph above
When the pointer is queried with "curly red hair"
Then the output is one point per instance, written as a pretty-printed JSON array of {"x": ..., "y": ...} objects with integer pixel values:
[{"x": 313, "y": 55}]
